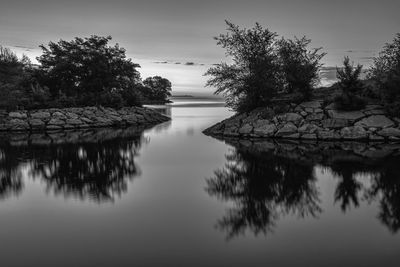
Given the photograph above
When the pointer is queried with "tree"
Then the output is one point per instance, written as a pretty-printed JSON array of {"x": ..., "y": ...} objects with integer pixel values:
[
  {"x": 253, "y": 78},
  {"x": 87, "y": 70},
  {"x": 385, "y": 72},
  {"x": 18, "y": 85},
  {"x": 351, "y": 86},
  {"x": 156, "y": 89},
  {"x": 263, "y": 67},
  {"x": 300, "y": 65}
]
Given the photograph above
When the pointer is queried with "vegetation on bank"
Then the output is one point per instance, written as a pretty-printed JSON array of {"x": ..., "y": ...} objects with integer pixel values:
[
  {"x": 81, "y": 72},
  {"x": 265, "y": 69}
]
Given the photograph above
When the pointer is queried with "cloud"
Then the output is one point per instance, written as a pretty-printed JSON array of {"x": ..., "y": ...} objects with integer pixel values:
[{"x": 188, "y": 63}]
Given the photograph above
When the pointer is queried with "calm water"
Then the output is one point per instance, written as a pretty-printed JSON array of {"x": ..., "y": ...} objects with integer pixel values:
[{"x": 171, "y": 196}]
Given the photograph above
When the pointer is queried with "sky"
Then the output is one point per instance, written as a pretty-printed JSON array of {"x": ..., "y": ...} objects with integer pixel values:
[{"x": 174, "y": 38}]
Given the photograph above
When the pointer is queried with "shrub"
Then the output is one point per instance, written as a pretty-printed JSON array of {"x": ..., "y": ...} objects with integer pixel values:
[
  {"x": 156, "y": 89},
  {"x": 253, "y": 78},
  {"x": 263, "y": 67},
  {"x": 385, "y": 72},
  {"x": 300, "y": 66},
  {"x": 351, "y": 86}
]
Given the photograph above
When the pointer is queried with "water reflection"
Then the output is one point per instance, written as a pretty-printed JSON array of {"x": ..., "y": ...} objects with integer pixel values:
[
  {"x": 91, "y": 164},
  {"x": 266, "y": 180}
]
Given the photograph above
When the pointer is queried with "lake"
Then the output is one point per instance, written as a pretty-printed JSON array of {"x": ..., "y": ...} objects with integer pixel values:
[{"x": 171, "y": 196}]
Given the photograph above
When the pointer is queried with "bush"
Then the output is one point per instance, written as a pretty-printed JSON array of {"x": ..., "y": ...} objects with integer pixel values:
[
  {"x": 156, "y": 89},
  {"x": 263, "y": 67},
  {"x": 300, "y": 66},
  {"x": 87, "y": 69},
  {"x": 385, "y": 72},
  {"x": 351, "y": 86}
]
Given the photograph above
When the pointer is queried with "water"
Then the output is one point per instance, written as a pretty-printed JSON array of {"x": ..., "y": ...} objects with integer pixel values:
[{"x": 171, "y": 196}]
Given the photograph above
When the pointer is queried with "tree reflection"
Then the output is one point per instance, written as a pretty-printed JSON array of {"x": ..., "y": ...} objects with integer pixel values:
[
  {"x": 263, "y": 187},
  {"x": 386, "y": 187},
  {"x": 98, "y": 170},
  {"x": 10, "y": 173}
]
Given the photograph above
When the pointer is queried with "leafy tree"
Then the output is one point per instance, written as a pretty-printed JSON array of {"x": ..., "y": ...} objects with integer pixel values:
[
  {"x": 386, "y": 74},
  {"x": 262, "y": 67},
  {"x": 18, "y": 85},
  {"x": 351, "y": 85},
  {"x": 300, "y": 65},
  {"x": 253, "y": 77},
  {"x": 87, "y": 70},
  {"x": 156, "y": 89}
]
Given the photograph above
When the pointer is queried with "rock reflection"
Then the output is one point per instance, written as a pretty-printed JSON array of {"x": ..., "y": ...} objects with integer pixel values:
[
  {"x": 267, "y": 180},
  {"x": 91, "y": 164}
]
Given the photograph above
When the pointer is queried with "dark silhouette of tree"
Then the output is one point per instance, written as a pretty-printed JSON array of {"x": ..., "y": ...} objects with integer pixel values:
[
  {"x": 385, "y": 72},
  {"x": 351, "y": 87},
  {"x": 263, "y": 187},
  {"x": 87, "y": 71},
  {"x": 300, "y": 65},
  {"x": 156, "y": 89},
  {"x": 253, "y": 78}
]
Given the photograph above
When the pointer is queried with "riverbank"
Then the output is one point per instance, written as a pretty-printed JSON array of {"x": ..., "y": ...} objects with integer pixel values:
[
  {"x": 312, "y": 121},
  {"x": 78, "y": 118}
]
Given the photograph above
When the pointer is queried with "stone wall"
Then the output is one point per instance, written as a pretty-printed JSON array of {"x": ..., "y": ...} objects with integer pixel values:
[
  {"x": 312, "y": 121},
  {"x": 78, "y": 118}
]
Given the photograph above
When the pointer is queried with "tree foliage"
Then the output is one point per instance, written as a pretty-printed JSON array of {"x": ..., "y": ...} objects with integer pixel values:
[
  {"x": 300, "y": 66},
  {"x": 385, "y": 72},
  {"x": 350, "y": 85},
  {"x": 156, "y": 89},
  {"x": 262, "y": 67},
  {"x": 87, "y": 70}
]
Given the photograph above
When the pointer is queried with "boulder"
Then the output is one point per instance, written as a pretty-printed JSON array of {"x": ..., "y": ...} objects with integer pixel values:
[
  {"x": 309, "y": 136},
  {"x": 354, "y": 133},
  {"x": 41, "y": 115},
  {"x": 328, "y": 135},
  {"x": 246, "y": 129},
  {"x": 346, "y": 115},
  {"x": 37, "y": 123},
  {"x": 311, "y": 104},
  {"x": 18, "y": 115},
  {"x": 55, "y": 121},
  {"x": 266, "y": 130},
  {"x": 315, "y": 117},
  {"x": 288, "y": 129},
  {"x": 335, "y": 123},
  {"x": 387, "y": 132},
  {"x": 308, "y": 128},
  {"x": 375, "y": 121},
  {"x": 18, "y": 124}
]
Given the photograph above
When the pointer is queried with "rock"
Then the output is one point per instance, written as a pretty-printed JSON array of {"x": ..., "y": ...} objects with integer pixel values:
[
  {"x": 59, "y": 115},
  {"x": 346, "y": 115},
  {"x": 328, "y": 135},
  {"x": 374, "y": 137},
  {"x": 18, "y": 124},
  {"x": 53, "y": 127},
  {"x": 303, "y": 113},
  {"x": 376, "y": 121},
  {"x": 309, "y": 136},
  {"x": 37, "y": 124},
  {"x": 246, "y": 129},
  {"x": 260, "y": 123},
  {"x": 266, "y": 130},
  {"x": 231, "y": 131},
  {"x": 42, "y": 115},
  {"x": 56, "y": 121},
  {"x": 311, "y": 104},
  {"x": 17, "y": 115},
  {"x": 387, "y": 132},
  {"x": 354, "y": 133},
  {"x": 73, "y": 122},
  {"x": 293, "y": 136},
  {"x": 288, "y": 129},
  {"x": 335, "y": 123},
  {"x": 374, "y": 112},
  {"x": 308, "y": 128},
  {"x": 71, "y": 115},
  {"x": 330, "y": 106},
  {"x": 315, "y": 117}
]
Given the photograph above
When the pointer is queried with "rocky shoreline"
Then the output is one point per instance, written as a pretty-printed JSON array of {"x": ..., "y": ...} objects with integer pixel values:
[
  {"x": 312, "y": 121},
  {"x": 78, "y": 118}
]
